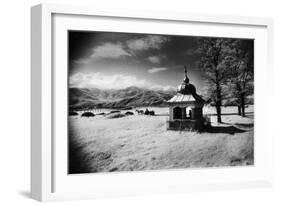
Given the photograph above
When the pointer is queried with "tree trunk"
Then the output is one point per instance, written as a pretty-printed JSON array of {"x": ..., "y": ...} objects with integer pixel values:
[
  {"x": 238, "y": 87},
  {"x": 218, "y": 101},
  {"x": 243, "y": 105},
  {"x": 218, "y": 104},
  {"x": 239, "y": 110},
  {"x": 218, "y": 108}
]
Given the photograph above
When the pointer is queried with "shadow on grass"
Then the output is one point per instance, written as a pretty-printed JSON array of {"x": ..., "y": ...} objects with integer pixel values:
[
  {"x": 226, "y": 114},
  {"x": 247, "y": 125},
  {"x": 77, "y": 162},
  {"x": 226, "y": 130}
]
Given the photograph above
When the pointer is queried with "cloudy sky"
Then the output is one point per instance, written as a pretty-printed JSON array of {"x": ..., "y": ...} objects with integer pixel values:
[{"x": 109, "y": 60}]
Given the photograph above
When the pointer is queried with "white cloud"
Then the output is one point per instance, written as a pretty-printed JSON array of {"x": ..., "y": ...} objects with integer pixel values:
[
  {"x": 148, "y": 42},
  {"x": 154, "y": 59},
  {"x": 116, "y": 81},
  {"x": 109, "y": 50},
  {"x": 157, "y": 69},
  {"x": 124, "y": 49},
  {"x": 106, "y": 50},
  {"x": 82, "y": 61},
  {"x": 101, "y": 81}
]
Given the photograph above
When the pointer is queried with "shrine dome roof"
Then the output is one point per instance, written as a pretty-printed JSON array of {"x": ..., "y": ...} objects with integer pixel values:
[
  {"x": 185, "y": 87},
  {"x": 186, "y": 93}
]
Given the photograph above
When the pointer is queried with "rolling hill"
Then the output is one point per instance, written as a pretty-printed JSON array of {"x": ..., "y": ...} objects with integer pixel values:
[{"x": 89, "y": 98}]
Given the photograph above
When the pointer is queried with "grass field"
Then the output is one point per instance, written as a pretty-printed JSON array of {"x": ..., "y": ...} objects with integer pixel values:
[{"x": 140, "y": 142}]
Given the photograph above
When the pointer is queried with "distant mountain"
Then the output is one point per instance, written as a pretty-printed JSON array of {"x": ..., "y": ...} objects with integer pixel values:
[{"x": 88, "y": 98}]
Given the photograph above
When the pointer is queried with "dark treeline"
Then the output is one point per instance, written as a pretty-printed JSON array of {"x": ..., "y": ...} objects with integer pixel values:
[{"x": 228, "y": 68}]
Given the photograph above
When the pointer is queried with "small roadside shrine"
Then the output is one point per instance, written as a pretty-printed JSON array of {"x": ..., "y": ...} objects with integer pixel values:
[{"x": 185, "y": 108}]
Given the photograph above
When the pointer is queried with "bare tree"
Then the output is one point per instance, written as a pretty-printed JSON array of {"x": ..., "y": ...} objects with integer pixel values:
[
  {"x": 241, "y": 69},
  {"x": 212, "y": 53}
]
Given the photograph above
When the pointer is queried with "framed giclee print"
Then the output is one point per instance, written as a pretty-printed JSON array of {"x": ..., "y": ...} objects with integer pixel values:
[{"x": 137, "y": 102}]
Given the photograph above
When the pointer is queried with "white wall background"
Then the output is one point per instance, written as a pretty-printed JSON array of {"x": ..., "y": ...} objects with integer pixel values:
[{"x": 15, "y": 101}]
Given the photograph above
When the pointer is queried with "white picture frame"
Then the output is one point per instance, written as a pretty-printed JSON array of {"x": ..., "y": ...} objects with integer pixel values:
[{"x": 49, "y": 180}]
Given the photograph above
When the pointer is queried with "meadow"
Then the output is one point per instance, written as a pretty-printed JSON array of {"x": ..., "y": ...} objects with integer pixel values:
[{"x": 142, "y": 142}]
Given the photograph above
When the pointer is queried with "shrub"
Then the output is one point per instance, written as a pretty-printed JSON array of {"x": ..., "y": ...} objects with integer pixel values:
[
  {"x": 72, "y": 113},
  {"x": 88, "y": 114},
  {"x": 114, "y": 111}
]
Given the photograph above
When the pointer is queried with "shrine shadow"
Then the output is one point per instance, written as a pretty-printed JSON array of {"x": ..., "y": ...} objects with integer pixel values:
[
  {"x": 224, "y": 129},
  {"x": 235, "y": 113},
  {"x": 246, "y": 125}
]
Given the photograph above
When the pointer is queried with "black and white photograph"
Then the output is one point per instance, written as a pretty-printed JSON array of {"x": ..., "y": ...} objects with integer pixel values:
[{"x": 144, "y": 102}]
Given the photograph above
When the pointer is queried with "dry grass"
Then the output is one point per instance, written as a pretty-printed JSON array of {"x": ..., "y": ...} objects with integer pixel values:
[{"x": 139, "y": 142}]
